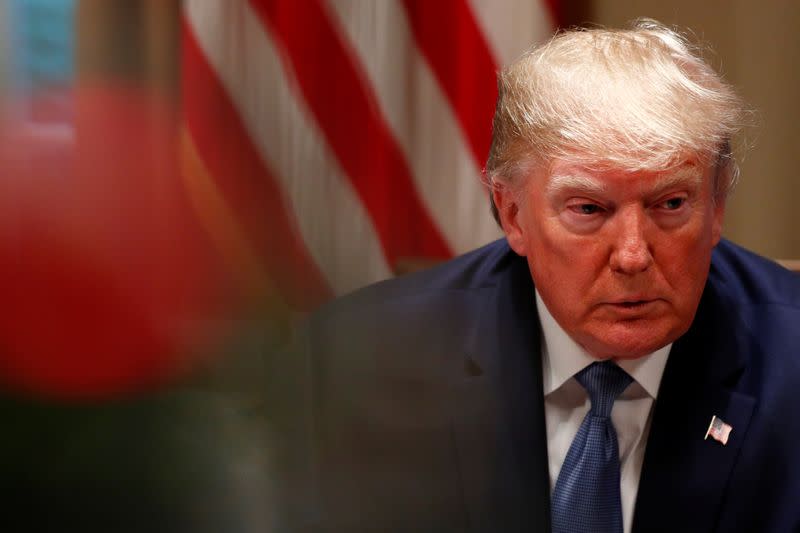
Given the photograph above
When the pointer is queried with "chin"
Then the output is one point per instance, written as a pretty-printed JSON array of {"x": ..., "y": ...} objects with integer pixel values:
[{"x": 629, "y": 341}]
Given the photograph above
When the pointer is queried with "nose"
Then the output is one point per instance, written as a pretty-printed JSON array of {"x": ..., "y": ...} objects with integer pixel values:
[{"x": 631, "y": 253}]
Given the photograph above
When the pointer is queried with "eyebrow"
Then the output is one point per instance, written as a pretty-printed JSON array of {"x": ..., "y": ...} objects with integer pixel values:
[
  {"x": 577, "y": 182},
  {"x": 588, "y": 185},
  {"x": 679, "y": 178}
]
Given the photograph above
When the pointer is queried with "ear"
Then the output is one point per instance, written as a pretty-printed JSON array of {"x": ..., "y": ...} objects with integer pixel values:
[
  {"x": 510, "y": 214},
  {"x": 719, "y": 217}
]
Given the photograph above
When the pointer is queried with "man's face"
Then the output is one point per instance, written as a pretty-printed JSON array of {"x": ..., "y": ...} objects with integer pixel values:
[{"x": 619, "y": 258}]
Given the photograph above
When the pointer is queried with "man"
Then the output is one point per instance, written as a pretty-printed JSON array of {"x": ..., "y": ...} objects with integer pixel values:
[{"x": 611, "y": 365}]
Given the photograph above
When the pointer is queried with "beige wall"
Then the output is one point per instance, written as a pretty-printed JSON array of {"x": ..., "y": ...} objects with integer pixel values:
[{"x": 757, "y": 45}]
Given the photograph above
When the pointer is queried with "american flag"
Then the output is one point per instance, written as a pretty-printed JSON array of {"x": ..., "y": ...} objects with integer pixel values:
[
  {"x": 718, "y": 430},
  {"x": 326, "y": 143}
]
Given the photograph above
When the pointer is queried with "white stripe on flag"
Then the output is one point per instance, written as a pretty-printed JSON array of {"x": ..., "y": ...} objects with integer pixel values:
[
  {"x": 334, "y": 224},
  {"x": 421, "y": 119},
  {"x": 512, "y": 26}
]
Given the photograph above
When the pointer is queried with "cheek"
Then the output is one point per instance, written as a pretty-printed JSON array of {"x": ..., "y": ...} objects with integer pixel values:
[
  {"x": 566, "y": 270},
  {"x": 684, "y": 262},
  {"x": 551, "y": 243},
  {"x": 575, "y": 261},
  {"x": 550, "y": 253}
]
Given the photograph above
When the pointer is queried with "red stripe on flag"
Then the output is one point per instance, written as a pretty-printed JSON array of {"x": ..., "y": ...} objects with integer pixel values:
[
  {"x": 556, "y": 10},
  {"x": 348, "y": 114},
  {"x": 453, "y": 44},
  {"x": 247, "y": 185}
]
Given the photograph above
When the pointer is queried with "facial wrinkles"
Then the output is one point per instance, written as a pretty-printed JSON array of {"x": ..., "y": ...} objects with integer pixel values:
[{"x": 636, "y": 233}]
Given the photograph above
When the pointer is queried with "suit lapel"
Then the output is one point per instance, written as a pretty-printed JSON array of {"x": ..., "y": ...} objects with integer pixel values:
[
  {"x": 684, "y": 477},
  {"x": 499, "y": 429}
]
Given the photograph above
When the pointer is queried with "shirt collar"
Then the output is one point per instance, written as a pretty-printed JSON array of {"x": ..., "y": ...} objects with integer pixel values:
[{"x": 562, "y": 357}]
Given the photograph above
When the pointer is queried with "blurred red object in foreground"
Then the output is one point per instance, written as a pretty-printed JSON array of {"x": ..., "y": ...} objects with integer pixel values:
[{"x": 108, "y": 285}]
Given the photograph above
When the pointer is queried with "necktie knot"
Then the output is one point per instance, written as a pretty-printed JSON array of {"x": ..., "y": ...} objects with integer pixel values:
[{"x": 604, "y": 381}]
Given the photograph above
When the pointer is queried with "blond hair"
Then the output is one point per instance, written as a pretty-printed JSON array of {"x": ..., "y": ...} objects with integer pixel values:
[{"x": 637, "y": 99}]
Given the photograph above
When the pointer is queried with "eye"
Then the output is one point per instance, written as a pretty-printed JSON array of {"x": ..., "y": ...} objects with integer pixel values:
[
  {"x": 673, "y": 203},
  {"x": 583, "y": 215},
  {"x": 586, "y": 209}
]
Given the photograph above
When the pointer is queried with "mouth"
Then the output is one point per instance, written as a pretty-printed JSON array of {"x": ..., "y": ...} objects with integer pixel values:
[{"x": 632, "y": 304}]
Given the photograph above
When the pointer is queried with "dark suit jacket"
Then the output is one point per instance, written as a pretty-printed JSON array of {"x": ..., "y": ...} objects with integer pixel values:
[{"x": 417, "y": 405}]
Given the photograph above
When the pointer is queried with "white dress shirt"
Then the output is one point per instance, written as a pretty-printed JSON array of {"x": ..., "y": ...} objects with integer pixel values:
[{"x": 566, "y": 404}]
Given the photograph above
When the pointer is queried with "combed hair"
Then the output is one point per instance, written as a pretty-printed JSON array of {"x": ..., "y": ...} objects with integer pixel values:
[{"x": 635, "y": 99}]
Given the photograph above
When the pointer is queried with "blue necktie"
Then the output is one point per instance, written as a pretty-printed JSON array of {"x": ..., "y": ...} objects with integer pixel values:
[{"x": 586, "y": 497}]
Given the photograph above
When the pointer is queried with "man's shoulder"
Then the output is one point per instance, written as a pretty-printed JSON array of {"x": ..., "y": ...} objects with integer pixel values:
[
  {"x": 479, "y": 269},
  {"x": 751, "y": 280},
  {"x": 413, "y": 313},
  {"x": 759, "y": 304}
]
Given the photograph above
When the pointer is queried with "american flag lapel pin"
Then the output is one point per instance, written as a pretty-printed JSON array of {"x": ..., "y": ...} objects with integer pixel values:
[{"x": 718, "y": 430}]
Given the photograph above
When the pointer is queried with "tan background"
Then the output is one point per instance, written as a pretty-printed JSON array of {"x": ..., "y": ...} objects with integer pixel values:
[{"x": 757, "y": 45}]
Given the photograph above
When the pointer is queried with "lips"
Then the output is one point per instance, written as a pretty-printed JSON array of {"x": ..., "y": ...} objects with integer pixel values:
[
  {"x": 633, "y": 299},
  {"x": 632, "y": 306}
]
